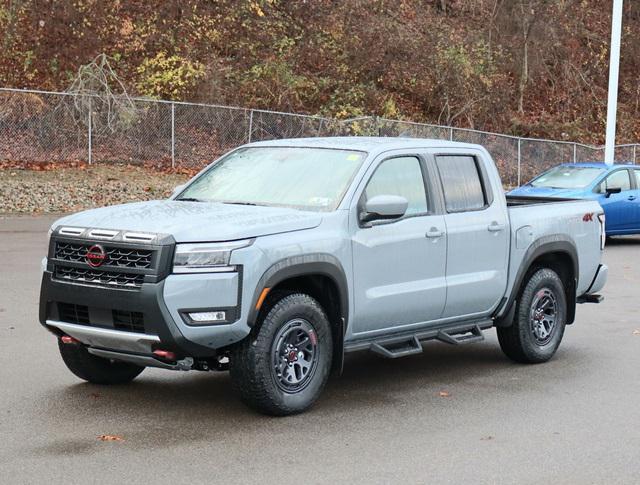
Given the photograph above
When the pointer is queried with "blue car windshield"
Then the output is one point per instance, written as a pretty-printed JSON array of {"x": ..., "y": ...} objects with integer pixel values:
[{"x": 567, "y": 177}]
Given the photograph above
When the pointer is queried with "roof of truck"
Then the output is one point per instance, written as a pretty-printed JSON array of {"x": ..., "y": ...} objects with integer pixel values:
[{"x": 365, "y": 143}]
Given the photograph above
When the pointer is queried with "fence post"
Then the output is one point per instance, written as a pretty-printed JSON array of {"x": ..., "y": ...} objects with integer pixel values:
[
  {"x": 634, "y": 154},
  {"x": 90, "y": 123},
  {"x": 519, "y": 159},
  {"x": 575, "y": 148},
  {"x": 250, "y": 126},
  {"x": 173, "y": 135},
  {"x": 451, "y": 133}
]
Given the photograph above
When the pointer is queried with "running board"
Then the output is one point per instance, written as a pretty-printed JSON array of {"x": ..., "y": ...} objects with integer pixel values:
[
  {"x": 590, "y": 299},
  {"x": 393, "y": 350},
  {"x": 409, "y": 343},
  {"x": 472, "y": 335}
]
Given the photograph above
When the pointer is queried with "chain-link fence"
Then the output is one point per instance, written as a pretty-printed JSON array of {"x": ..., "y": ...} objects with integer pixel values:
[{"x": 39, "y": 126}]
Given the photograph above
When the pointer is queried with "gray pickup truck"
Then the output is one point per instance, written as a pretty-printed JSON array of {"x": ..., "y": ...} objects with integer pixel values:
[{"x": 282, "y": 256}]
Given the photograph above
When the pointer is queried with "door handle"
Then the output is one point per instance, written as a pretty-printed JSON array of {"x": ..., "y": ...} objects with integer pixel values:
[
  {"x": 434, "y": 232},
  {"x": 632, "y": 197},
  {"x": 495, "y": 227}
]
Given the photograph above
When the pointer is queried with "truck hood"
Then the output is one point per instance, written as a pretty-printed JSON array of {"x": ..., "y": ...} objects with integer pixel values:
[{"x": 195, "y": 221}]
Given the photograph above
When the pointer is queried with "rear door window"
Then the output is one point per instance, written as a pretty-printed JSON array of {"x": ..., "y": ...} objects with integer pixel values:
[{"x": 461, "y": 183}]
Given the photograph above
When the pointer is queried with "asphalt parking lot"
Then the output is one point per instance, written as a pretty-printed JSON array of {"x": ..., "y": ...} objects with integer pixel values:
[{"x": 450, "y": 415}]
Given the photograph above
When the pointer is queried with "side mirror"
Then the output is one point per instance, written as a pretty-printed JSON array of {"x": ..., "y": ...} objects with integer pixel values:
[
  {"x": 384, "y": 207},
  {"x": 612, "y": 190},
  {"x": 177, "y": 189}
]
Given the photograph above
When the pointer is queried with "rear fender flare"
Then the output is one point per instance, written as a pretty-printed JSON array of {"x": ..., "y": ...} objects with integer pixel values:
[{"x": 503, "y": 316}]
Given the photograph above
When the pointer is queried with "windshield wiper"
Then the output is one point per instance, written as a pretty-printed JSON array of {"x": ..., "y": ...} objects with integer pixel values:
[
  {"x": 190, "y": 199},
  {"x": 240, "y": 203}
]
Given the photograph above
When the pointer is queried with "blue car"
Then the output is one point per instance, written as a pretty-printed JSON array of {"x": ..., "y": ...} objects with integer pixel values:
[{"x": 615, "y": 187}]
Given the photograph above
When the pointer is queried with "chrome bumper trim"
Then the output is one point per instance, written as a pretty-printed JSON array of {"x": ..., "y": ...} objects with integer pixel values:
[{"x": 107, "y": 338}]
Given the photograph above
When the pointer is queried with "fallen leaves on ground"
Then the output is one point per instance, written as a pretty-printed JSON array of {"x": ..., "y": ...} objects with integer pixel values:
[
  {"x": 636, "y": 332},
  {"x": 110, "y": 437},
  {"x": 70, "y": 189},
  {"x": 443, "y": 394}
]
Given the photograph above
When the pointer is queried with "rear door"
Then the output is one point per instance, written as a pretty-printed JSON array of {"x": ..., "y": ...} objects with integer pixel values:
[
  {"x": 635, "y": 199},
  {"x": 619, "y": 208},
  {"x": 398, "y": 266},
  {"x": 477, "y": 235}
]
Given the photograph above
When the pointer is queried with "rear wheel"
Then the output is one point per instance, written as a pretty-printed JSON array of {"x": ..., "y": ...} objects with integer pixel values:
[
  {"x": 539, "y": 321},
  {"x": 95, "y": 369},
  {"x": 282, "y": 367}
]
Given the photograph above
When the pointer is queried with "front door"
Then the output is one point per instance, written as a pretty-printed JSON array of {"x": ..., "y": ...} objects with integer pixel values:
[
  {"x": 619, "y": 208},
  {"x": 399, "y": 266}
]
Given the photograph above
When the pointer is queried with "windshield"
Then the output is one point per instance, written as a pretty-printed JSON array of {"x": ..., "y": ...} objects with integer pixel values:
[
  {"x": 301, "y": 178},
  {"x": 567, "y": 177}
]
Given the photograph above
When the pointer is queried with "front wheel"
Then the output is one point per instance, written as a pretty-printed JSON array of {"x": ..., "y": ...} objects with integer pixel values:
[
  {"x": 539, "y": 321},
  {"x": 283, "y": 365},
  {"x": 95, "y": 369}
]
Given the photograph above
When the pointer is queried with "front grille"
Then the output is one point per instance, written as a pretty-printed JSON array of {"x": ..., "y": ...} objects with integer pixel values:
[
  {"x": 124, "y": 320},
  {"x": 102, "y": 278},
  {"x": 68, "y": 312},
  {"x": 128, "y": 321},
  {"x": 115, "y": 256}
]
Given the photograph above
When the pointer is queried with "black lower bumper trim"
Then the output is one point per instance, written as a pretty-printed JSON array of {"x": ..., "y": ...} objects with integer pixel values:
[{"x": 146, "y": 300}]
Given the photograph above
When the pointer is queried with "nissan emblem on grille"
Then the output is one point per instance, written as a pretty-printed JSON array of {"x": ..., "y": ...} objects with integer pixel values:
[{"x": 95, "y": 256}]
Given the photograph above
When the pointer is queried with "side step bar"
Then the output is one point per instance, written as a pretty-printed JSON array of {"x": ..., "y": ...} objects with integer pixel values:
[
  {"x": 590, "y": 299},
  {"x": 397, "y": 349},
  {"x": 407, "y": 343},
  {"x": 474, "y": 334}
]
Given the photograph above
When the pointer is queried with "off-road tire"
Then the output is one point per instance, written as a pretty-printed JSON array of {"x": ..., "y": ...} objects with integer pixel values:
[
  {"x": 252, "y": 368},
  {"x": 518, "y": 341},
  {"x": 95, "y": 369}
]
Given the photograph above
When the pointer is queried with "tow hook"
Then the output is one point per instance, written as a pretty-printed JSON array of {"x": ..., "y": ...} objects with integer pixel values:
[
  {"x": 183, "y": 364},
  {"x": 67, "y": 339}
]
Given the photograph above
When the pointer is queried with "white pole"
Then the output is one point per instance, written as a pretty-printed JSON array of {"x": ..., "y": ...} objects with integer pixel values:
[
  {"x": 173, "y": 135},
  {"x": 614, "y": 64}
]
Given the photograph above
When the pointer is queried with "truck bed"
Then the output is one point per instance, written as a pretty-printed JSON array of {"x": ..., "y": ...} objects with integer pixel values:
[
  {"x": 535, "y": 219},
  {"x": 521, "y": 200}
]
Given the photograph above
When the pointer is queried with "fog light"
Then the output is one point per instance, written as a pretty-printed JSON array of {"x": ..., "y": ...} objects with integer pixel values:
[{"x": 208, "y": 317}]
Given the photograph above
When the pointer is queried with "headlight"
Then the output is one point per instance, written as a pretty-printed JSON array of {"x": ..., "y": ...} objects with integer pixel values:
[{"x": 206, "y": 258}]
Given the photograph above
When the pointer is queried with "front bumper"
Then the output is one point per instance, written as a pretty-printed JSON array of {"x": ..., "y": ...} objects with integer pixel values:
[{"x": 160, "y": 304}]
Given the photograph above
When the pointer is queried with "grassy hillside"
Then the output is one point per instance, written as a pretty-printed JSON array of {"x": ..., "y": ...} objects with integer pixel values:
[{"x": 526, "y": 67}]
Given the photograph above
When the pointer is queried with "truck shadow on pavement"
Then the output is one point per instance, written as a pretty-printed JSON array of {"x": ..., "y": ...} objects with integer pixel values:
[
  {"x": 161, "y": 409},
  {"x": 622, "y": 241}
]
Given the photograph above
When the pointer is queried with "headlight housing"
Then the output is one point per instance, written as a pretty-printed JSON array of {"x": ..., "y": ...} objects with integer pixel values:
[{"x": 206, "y": 257}]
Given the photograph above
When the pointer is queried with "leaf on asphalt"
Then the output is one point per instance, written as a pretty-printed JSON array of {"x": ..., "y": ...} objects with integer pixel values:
[
  {"x": 94, "y": 395},
  {"x": 486, "y": 438},
  {"x": 443, "y": 394},
  {"x": 110, "y": 437},
  {"x": 636, "y": 332}
]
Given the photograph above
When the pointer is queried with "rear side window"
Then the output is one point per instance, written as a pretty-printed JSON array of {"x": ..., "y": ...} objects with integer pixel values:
[
  {"x": 400, "y": 176},
  {"x": 461, "y": 182},
  {"x": 637, "y": 173}
]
